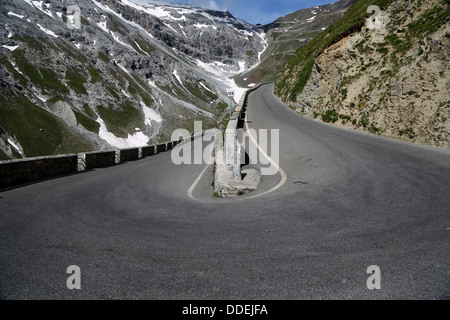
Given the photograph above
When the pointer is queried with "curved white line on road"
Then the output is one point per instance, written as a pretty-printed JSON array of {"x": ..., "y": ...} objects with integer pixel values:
[
  {"x": 281, "y": 171},
  {"x": 278, "y": 186},
  {"x": 191, "y": 189}
]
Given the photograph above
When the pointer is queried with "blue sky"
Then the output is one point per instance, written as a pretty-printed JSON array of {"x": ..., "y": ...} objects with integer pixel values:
[{"x": 256, "y": 11}]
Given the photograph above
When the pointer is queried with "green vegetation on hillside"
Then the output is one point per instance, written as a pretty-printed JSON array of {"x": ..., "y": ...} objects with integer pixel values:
[
  {"x": 3, "y": 156},
  {"x": 95, "y": 75},
  {"x": 430, "y": 21},
  {"x": 299, "y": 68},
  {"x": 330, "y": 116},
  {"x": 103, "y": 57},
  {"x": 250, "y": 53},
  {"x": 144, "y": 45},
  {"x": 122, "y": 121},
  {"x": 39, "y": 132},
  {"x": 54, "y": 100},
  {"x": 201, "y": 93},
  {"x": 115, "y": 25},
  {"x": 75, "y": 81},
  {"x": 4, "y": 62},
  {"x": 87, "y": 122},
  {"x": 42, "y": 77}
]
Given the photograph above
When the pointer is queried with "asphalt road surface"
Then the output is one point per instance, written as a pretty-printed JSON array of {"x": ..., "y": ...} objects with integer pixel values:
[{"x": 350, "y": 201}]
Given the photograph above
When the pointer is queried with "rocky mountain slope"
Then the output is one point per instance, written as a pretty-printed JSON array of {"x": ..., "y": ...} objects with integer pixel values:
[
  {"x": 127, "y": 75},
  {"x": 287, "y": 34},
  {"x": 387, "y": 74}
]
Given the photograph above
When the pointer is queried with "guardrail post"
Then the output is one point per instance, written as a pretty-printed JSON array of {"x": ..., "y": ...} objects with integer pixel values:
[{"x": 81, "y": 161}]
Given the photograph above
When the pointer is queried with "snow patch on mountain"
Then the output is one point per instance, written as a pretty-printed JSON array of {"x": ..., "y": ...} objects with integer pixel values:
[
  {"x": 15, "y": 146},
  {"x": 40, "y": 6},
  {"x": 10, "y": 48},
  {"x": 200, "y": 26},
  {"x": 206, "y": 88},
  {"x": 175, "y": 73},
  {"x": 135, "y": 140},
  {"x": 15, "y": 15},
  {"x": 49, "y": 32},
  {"x": 150, "y": 115}
]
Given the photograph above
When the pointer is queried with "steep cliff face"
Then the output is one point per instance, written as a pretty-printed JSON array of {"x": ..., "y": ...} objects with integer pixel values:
[
  {"x": 392, "y": 77},
  {"x": 129, "y": 74}
]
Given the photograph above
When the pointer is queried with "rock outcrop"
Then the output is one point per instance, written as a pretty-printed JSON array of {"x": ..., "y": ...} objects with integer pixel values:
[{"x": 391, "y": 77}]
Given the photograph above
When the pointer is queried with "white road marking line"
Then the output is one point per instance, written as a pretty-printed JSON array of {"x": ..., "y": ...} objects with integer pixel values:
[
  {"x": 278, "y": 186},
  {"x": 283, "y": 174},
  {"x": 191, "y": 189}
]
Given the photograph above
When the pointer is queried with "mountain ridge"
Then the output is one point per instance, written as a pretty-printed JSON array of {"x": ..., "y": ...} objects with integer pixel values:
[
  {"x": 128, "y": 76},
  {"x": 287, "y": 34}
]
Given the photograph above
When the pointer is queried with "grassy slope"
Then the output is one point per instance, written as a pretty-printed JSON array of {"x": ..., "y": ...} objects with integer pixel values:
[
  {"x": 39, "y": 132},
  {"x": 3, "y": 156}
]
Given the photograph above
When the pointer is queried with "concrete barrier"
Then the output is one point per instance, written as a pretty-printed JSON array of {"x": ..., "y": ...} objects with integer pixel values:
[
  {"x": 148, "y": 151},
  {"x": 20, "y": 171},
  {"x": 161, "y": 147},
  {"x": 231, "y": 157},
  {"x": 15, "y": 172},
  {"x": 230, "y": 143},
  {"x": 129, "y": 154},
  {"x": 99, "y": 159},
  {"x": 228, "y": 167}
]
